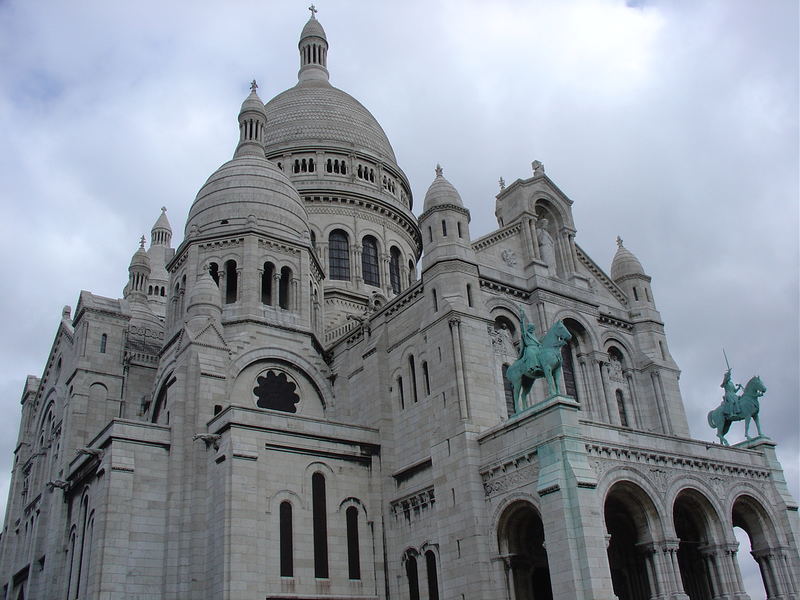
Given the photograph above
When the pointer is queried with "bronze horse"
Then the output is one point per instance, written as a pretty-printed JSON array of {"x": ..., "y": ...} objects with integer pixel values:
[
  {"x": 534, "y": 363},
  {"x": 748, "y": 409}
]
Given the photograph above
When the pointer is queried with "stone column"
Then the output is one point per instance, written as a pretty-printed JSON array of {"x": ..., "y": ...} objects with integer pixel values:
[
  {"x": 260, "y": 287},
  {"x": 611, "y": 404},
  {"x": 356, "y": 264},
  {"x": 455, "y": 332},
  {"x": 635, "y": 408},
  {"x": 294, "y": 303},
  {"x": 602, "y": 396},
  {"x": 773, "y": 583},
  {"x": 276, "y": 287}
]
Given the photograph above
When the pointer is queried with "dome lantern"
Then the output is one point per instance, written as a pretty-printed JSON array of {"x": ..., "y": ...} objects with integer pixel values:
[
  {"x": 313, "y": 48},
  {"x": 252, "y": 120}
]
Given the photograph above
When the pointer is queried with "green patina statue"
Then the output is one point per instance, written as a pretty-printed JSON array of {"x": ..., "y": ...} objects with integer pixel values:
[
  {"x": 537, "y": 358},
  {"x": 737, "y": 407}
]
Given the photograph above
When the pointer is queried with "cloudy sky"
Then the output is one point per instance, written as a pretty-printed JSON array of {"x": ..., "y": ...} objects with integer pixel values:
[{"x": 672, "y": 124}]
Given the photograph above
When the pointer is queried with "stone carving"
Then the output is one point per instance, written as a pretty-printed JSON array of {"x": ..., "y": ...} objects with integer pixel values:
[
  {"x": 501, "y": 339},
  {"x": 538, "y": 359},
  {"x": 659, "y": 477},
  {"x": 275, "y": 391},
  {"x": 509, "y": 257},
  {"x": 538, "y": 168},
  {"x": 546, "y": 245},
  {"x": 615, "y": 369},
  {"x": 737, "y": 408}
]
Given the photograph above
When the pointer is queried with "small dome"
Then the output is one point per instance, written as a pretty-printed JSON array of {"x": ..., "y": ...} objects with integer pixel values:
[
  {"x": 313, "y": 29},
  {"x": 441, "y": 192},
  {"x": 204, "y": 297},
  {"x": 140, "y": 258},
  {"x": 162, "y": 223},
  {"x": 248, "y": 191},
  {"x": 625, "y": 263},
  {"x": 253, "y": 102}
]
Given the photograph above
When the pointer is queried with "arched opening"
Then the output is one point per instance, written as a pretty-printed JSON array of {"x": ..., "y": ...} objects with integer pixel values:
[
  {"x": 369, "y": 261},
  {"x": 763, "y": 572},
  {"x": 286, "y": 542},
  {"x": 412, "y": 577},
  {"x": 629, "y": 516},
  {"x": 320, "y": 525},
  {"x": 231, "y": 282},
  {"x": 433, "y": 577},
  {"x": 413, "y": 372},
  {"x": 283, "y": 287},
  {"x": 339, "y": 255},
  {"x": 569, "y": 358},
  {"x": 394, "y": 269},
  {"x": 521, "y": 541},
  {"x": 691, "y": 515},
  {"x": 426, "y": 378},
  {"x": 266, "y": 283},
  {"x": 353, "y": 560}
]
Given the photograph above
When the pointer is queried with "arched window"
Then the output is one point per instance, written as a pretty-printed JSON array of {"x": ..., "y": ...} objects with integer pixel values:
[
  {"x": 426, "y": 378},
  {"x": 213, "y": 270},
  {"x": 320, "y": 526},
  {"x": 313, "y": 240},
  {"x": 635, "y": 294},
  {"x": 458, "y": 225},
  {"x": 394, "y": 269},
  {"x": 444, "y": 228},
  {"x": 339, "y": 255},
  {"x": 103, "y": 343},
  {"x": 413, "y": 578},
  {"x": 286, "y": 547},
  {"x": 353, "y": 560},
  {"x": 283, "y": 287},
  {"x": 231, "y": 281},
  {"x": 266, "y": 283},
  {"x": 411, "y": 271},
  {"x": 328, "y": 166},
  {"x": 623, "y": 416},
  {"x": 369, "y": 261},
  {"x": 433, "y": 578},
  {"x": 400, "y": 393},
  {"x": 413, "y": 370},
  {"x": 344, "y": 168},
  {"x": 311, "y": 165}
]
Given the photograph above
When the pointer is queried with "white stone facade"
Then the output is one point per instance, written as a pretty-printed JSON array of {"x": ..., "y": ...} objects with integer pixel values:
[{"x": 282, "y": 408}]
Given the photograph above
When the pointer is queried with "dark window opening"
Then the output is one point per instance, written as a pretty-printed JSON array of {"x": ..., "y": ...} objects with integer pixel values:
[
  {"x": 435, "y": 302},
  {"x": 413, "y": 369},
  {"x": 433, "y": 578},
  {"x": 283, "y": 287},
  {"x": 266, "y": 283},
  {"x": 623, "y": 415},
  {"x": 353, "y": 558},
  {"x": 231, "y": 281},
  {"x": 458, "y": 226},
  {"x": 275, "y": 392},
  {"x": 400, "y": 391},
  {"x": 339, "y": 255},
  {"x": 426, "y": 378},
  {"x": 369, "y": 261},
  {"x": 103, "y": 343},
  {"x": 568, "y": 370},
  {"x": 635, "y": 294},
  {"x": 320, "y": 526},
  {"x": 413, "y": 578},
  {"x": 444, "y": 228},
  {"x": 394, "y": 269},
  {"x": 469, "y": 295},
  {"x": 286, "y": 550}
]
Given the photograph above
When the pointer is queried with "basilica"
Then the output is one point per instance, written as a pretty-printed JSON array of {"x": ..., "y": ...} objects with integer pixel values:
[{"x": 317, "y": 394}]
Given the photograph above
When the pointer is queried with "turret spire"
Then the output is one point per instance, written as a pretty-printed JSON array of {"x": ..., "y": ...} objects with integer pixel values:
[{"x": 313, "y": 51}]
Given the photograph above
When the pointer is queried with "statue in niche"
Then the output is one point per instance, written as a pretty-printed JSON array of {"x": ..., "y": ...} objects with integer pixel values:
[
  {"x": 276, "y": 392},
  {"x": 545, "y": 240},
  {"x": 538, "y": 168},
  {"x": 735, "y": 407}
]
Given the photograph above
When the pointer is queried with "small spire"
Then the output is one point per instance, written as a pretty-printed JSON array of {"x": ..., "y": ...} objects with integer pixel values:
[
  {"x": 619, "y": 242},
  {"x": 313, "y": 10},
  {"x": 502, "y": 183},
  {"x": 439, "y": 170},
  {"x": 141, "y": 243},
  {"x": 253, "y": 86}
]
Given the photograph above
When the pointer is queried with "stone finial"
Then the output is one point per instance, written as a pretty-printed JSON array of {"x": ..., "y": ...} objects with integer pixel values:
[
  {"x": 502, "y": 183},
  {"x": 538, "y": 168},
  {"x": 141, "y": 242},
  {"x": 253, "y": 86},
  {"x": 164, "y": 208},
  {"x": 66, "y": 312},
  {"x": 439, "y": 170},
  {"x": 619, "y": 242},
  {"x": 314, "y": 11}
]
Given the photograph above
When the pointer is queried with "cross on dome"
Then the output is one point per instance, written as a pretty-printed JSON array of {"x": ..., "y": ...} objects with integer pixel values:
[
  {"x": 502, "y": 183},
  {"x": 619, "y": 242},
  {"x": 253, "y": 86},
  {"x": 313, "y": 11},
  {"x": 163, "y": 209},
  {"x": 439, "y": 170},
  {"x": 141, "y": 243}
]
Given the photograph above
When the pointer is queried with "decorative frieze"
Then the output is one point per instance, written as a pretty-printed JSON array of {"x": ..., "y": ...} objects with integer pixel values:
[
  {"x": 510, "y": 474},
  {"x": 412, "y": 507}
]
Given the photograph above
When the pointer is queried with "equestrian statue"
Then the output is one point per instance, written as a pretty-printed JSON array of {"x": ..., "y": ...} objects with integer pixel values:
[
  {"x": 537, "y": 358},
  {"x": 737, "y": 407}
]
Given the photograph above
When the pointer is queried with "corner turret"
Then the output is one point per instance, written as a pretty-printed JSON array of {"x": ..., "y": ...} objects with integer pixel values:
[
  {"x": 138, "y": 275},
  {"x": 628, "y": 273},
  {"x": 444, "y": 223}
]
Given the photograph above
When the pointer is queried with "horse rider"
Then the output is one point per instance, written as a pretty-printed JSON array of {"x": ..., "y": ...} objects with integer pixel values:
[
  {"x": 529, "y": 340},
  {"x": 730, "y": 401}
]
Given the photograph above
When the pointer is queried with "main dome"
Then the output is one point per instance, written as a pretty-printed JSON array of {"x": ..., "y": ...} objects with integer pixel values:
[{"x": 314, "y": 112}]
